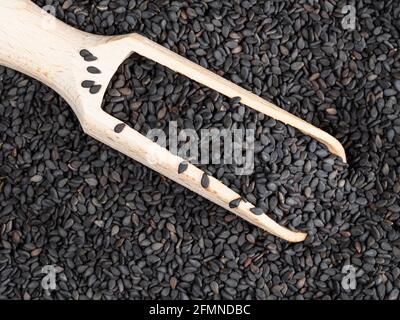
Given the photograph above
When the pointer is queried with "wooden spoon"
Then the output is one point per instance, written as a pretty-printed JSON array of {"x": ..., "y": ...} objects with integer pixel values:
[{"x": 79, "y": 67}]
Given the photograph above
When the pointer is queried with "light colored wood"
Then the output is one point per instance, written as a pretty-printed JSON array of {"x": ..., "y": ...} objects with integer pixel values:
[
  {"x": 46, "y": 49},
  {"x": 37, "y": 44}
]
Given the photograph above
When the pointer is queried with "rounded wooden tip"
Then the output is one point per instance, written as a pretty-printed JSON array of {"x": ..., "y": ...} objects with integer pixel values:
[
  {"x": 336, "y": 148},
  {"x": 288, "y": 235}
]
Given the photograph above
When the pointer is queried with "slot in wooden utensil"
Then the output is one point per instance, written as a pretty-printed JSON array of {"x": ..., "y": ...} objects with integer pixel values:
[{"x": 79, "y": 67}]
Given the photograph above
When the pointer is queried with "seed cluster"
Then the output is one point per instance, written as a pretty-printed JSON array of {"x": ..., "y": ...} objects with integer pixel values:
[
  {"x": 89, "y": 84},
  {"x": 87, "y": 55},
  {"x": 116, "y": 229}
]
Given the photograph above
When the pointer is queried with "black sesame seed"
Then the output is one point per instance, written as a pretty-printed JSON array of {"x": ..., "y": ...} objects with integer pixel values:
[
  {"x": 182, "y": 167},
  {"x": 93, "y": 70},
  {"x": 235, "y": 100},
  {"x": 85, "y": 53},
  {"x": 234, "y": 203},
  {"x": 90, "y": 58},
  {"x": 119, "y": 127},
  {"x": 95, "y": 88},
  {"x": 205, "y": 181},
  {"x": 257, "y": 211},
  {"x": 87, "y": 83}
]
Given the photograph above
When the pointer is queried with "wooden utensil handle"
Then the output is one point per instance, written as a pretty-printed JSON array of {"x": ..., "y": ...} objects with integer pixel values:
[{"x": 35, "y": 43}]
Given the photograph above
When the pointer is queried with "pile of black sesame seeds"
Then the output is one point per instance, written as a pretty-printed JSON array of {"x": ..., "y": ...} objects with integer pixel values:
[{"x": 117, "y": 230}]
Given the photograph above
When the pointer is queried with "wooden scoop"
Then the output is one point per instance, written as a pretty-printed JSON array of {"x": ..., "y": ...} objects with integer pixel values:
[{"x": 79, "y": 67}]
